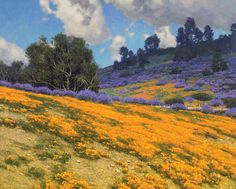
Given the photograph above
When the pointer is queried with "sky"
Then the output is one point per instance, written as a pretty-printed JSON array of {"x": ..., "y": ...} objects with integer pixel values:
[{"x": 106, "y": 25}]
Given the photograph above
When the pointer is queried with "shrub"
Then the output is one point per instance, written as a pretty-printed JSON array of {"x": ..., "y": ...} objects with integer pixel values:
[
  {"x": 36, "y": 172},
  {"x": 174, "y": 100},
  {"x": 207, "y": 109},
  {"x": 161, "y": 82},
  {"x": 178, "y": 106},
  {"x": 189, "y": 99},
  {"x": 124, "y": 73},
  {"x": 181, "y": 85},
  {"x": 13, "y": 160},
  {"x": 206, "y": 72},
  {"x": 87, "y": 95},
  {"x": 202, "y": 96},
  {"x": 230, "y": 102},
  {"x": 231, "y": 112},
  {"x": 176, "y": 70},
  {"x": 134, "y": 100},
  {"x": 103, "y": 98},
  {"x": 216, "y": 102}
]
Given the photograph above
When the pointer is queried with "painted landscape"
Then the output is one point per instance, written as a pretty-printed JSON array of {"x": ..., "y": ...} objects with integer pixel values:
[{"x": 154, "y": 117}]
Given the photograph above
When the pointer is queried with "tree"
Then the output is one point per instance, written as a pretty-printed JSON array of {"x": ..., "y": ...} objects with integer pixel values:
[
  {"x": 124, "y": 52},
  {"x": 208, "y": 33},
  {"x": 218, "y": 64},
  {"x": 15, "y": 71},
  {"x": 233, "y": 36},
  {"x": 152, "y": 44},
  {"x": 67, "y": 64},
  {"x": 190, "y": 29},
  {"x": 180, "y": 38},
  {"x": 141, "y": 58},
  {"x": 4, "y": 71}
]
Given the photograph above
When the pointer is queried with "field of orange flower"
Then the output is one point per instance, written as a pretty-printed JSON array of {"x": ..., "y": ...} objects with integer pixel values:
[{"x": 180, "y": 149}]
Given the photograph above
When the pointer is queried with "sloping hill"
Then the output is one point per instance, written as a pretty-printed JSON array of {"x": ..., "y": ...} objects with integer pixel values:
[{"x": 52, "y": 141}]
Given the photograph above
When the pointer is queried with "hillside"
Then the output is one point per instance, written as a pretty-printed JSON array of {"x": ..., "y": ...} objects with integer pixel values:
[
  {"x": 52, "y": 141},
  {"x": 158, "y": 81}
]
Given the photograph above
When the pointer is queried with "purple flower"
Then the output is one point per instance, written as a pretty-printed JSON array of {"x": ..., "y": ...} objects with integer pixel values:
[
  {"x": 178, "y": 106},
  {"x": 161, "y": 82},
  {"x": 181, "y": 85},
  {"x": 207, "y": 109},
  {"x": 103, "y": 98},
  {"x": 216, "y": 102},
  {"x": 87, "y": 95},
  {"x": 231, "y": 112},
  {"x": 189, "y": 99},
  {"x": 115, "y": 98},
  {"x": 134, "y": 100},
  {"x": 43, "y": 90},
  {"x": 5, "y": 84}
]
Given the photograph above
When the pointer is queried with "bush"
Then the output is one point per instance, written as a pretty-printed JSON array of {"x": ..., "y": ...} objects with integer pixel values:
[
  {"x": 125, "y": 74},
  {"x": 161, "y": 82},
  {"x": 174, "y": 100},
  {"x": 231, "y": 112},
  {"x": 207, "y": 109},
  {"x": 176, "y": 70},
  {"x": 36, "y": 172},
  {"x": 230, "y": 102},
  {"x": 216, "y": 102},
  {"x": 206, "y": 72},
  {"x": 12, "y": 160},
  {"x": 202, "y": 96},
  {"x": 178, "y": 106},
  {"x": 103, "y": 98}
]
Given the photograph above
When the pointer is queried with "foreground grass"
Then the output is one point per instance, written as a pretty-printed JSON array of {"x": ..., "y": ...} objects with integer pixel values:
[{"x": 70, "y": 143}]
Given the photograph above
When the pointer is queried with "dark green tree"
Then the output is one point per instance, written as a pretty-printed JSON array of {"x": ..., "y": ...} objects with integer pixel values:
[
  {"x": 142, "y": 60},
  {"x": 152, "y": 44},
  {"x": 218, "y": 64},
  {"x": 67, "y": 63}
]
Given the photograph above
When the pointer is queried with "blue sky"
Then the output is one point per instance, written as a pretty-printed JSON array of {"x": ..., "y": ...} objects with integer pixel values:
[{"x": 23, "y": 22}]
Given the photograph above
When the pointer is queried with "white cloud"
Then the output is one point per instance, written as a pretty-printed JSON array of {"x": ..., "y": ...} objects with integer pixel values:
[
  {"x": 166, "y": 37},
  {"x": 117, "y": 42},
  {"x": 158, "y": 13},
  {"x": 131, "y": 34},
  {"x": 145, "y": 36},
  {"x": 10, "y": 52},
  {"x": 102, "y": 50},
  {"x": 81, "y": 18}
]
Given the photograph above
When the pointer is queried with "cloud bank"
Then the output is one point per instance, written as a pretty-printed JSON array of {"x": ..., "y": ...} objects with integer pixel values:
[
  {"x": 159, "y": 13},
  {"x": 81, "y": 18},
  {"x": 10, "y": 52}
]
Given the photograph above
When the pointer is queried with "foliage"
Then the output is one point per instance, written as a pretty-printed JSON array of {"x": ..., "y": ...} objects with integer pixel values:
[
  {"x": 174, "y": 100},
  {"x": 230, "y": 102},
  {"x": 66, "y": 63},
  {"x": 36, "y": 172},
  {"x": 176, "y": 70},
  {"x": 218, "y": 64},
  {"x": 202, "y": 96}
]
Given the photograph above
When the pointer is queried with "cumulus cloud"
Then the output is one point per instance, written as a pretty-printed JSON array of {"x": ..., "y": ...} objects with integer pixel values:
[
  {"x": 145, "y": 36},
  {"x": 166, "y": 37},
  {"x": 158, "y": 13},
  {"x": 10, "y": 52},
  {"x": 81, "y": 18},
  {"x": 117, "y": 42}
]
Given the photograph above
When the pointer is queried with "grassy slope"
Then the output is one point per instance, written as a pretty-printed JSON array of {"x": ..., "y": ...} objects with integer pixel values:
[{"x": 104, "y": 145}]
